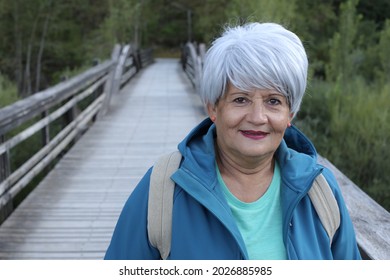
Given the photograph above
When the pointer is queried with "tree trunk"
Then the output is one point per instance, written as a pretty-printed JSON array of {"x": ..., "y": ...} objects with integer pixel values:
[
  {"x": 27, "y": 89},
  {"x": 18, "y": 51},
  {"x": 40, "y": 53}
]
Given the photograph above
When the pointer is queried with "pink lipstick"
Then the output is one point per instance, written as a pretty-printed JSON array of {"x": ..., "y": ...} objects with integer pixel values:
[{"x": 253, "y": 134}]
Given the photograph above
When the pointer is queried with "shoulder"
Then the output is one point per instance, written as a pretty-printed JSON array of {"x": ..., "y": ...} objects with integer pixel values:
[
  {"x": 332, "y": 181},
  {"x": 137, "y": 199},
  {"x": 142, "y": 188},
  {"x": 129, "y": 239}
]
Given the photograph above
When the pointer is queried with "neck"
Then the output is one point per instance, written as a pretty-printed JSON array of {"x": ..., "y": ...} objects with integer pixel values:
[{"x": 246, "y": 178}]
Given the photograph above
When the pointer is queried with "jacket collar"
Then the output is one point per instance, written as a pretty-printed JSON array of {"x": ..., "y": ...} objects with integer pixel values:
[
  {"x": 199, "y": 153},
  {"x": 296, "y": 156}
]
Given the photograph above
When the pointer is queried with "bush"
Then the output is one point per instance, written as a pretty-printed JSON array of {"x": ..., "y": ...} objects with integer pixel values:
[
  {"x": 350, "y": 125},
  {"x": 8, "y": 92}
]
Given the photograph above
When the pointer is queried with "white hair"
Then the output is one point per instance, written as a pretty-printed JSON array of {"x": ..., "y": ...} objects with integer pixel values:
[{"x": 256, "y": 56}]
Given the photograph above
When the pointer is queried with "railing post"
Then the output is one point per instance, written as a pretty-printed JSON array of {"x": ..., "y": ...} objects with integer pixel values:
[
  {"x": 45, "y": 131},
  {"x": 68, "y": 117},
  {"x": 6, "y": 207},
  {"x": 110, "y": 81},
  {"x": 6, "y": 204},
  {"x": 137, "y": 59},
  {"x": 119, "y": 69},
  {"x": 5, "y": 168},
  {"x": 202, "y": 52},
  {"x": 183, "y": 57},
  {"x": 196, "y": 66}
]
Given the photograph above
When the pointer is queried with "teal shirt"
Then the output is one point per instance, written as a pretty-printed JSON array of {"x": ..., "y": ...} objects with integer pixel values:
[{"x": 260, "y": 222}]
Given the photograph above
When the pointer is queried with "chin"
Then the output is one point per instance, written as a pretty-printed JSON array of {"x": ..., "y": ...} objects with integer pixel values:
[{"x": 255, "y": 153}]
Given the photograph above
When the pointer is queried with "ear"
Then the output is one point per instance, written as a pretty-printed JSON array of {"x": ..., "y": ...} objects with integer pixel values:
[
  {"x": 290, "y": 119},
  {"x": 212, "y": 112}
]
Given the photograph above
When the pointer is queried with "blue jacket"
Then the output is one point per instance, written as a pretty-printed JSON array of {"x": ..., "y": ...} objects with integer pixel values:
[{"x": 203, "y": 226}]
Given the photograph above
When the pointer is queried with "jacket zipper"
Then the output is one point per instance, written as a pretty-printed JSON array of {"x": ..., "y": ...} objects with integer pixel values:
[
  {"x": 188, "y": 173},
  {"x": 288, "y": 221}
]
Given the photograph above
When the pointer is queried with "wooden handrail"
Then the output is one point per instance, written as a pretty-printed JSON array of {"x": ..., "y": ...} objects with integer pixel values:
[
  {"x": 192, "y": 62},
  {"x": 94, "y": 87},
  {"x": 18, "y": 113},
  {"x": 371, "y": 221}
]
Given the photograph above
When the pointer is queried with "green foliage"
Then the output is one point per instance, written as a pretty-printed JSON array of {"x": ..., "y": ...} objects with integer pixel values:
[
  {"x": 41, "y": 37},
  {"x": 211, "y": 16},
  {"x": 351, "y": 128},
  {"x": 346, "y": 115},
  {"x": 8, "y": 92},
  {"x": 344, "y": 52},
  {"x": 315, "y": 23},
  {"x": 383, "y": 52},
  {"x": 120, "y": 21},
  {"x": 67, "y": 73},
  {"x": 377, "y": 11},
  {"x": 282, "y": 11}
]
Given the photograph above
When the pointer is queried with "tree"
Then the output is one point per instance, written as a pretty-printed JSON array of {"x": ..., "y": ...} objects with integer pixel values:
[
  {"x": 344, "y": 49},
  {"x": 383, "y": 52}
]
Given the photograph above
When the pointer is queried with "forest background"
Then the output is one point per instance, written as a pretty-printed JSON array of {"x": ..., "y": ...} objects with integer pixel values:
[{"x": 345, "y": 111}]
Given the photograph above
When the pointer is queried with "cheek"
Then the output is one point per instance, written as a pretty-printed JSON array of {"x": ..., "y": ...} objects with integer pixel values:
[
  {"x": 230, "y": 118},
  {"x": 280, "y": 122}
]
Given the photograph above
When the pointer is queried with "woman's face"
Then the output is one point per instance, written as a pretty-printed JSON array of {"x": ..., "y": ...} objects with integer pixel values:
[{"x": 250, "y": 124}]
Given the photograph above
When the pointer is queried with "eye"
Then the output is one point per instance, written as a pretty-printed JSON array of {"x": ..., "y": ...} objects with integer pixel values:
[
  {"x": 240, "y": 100},
  {"x": 274, "y": 101}
]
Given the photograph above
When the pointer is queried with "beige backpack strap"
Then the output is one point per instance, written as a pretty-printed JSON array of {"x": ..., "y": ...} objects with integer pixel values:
[
  {"x": 325, "y": 204},
  {"x": 160, "y": 202}
]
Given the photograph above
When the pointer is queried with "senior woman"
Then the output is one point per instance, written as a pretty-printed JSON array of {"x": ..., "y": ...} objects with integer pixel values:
[{"x": 241, "y": 188}]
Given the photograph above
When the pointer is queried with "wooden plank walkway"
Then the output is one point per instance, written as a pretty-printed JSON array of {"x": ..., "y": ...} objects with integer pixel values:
[{"x": 72, "y": 213}]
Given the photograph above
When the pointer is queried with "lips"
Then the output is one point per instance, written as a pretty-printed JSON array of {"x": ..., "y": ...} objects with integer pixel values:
[{"x": 254, "y": 134}]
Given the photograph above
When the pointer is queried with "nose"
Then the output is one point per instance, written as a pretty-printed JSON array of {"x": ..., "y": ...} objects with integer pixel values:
[{"x": 258, "y": 114}]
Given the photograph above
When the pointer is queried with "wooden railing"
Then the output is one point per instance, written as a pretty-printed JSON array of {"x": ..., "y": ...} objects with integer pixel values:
[
  {"x": 371, "y": 220},
  {"x": 58, "y": 116},
  {"x": 192, "y": 62}
]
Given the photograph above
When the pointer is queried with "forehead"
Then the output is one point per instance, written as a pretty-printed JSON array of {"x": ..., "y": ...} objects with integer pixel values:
[{"x": 231, "y": 89}]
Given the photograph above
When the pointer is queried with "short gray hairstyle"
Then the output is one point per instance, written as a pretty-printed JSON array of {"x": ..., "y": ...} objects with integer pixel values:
[{"x": 256, "y": 56}]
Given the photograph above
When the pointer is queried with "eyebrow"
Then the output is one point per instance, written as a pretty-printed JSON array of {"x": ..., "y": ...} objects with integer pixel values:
[
  {"x": 243, "y": 92},
  {"x": 238, "y": 92}
]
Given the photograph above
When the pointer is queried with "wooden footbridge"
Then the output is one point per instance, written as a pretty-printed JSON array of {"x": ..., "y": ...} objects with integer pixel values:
[{"x": 116, "y": 119}]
